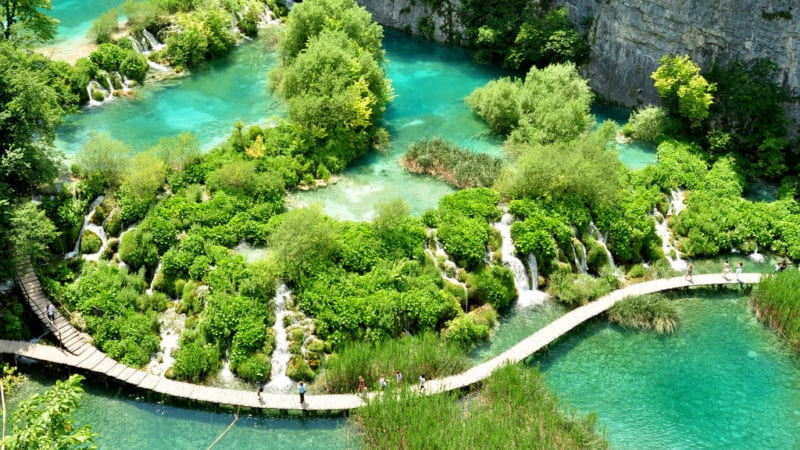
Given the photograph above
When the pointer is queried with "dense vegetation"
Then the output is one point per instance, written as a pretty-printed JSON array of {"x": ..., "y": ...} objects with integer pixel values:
[
  {"x": 459, "y": 167},
  {"x": 514, "y": 409},
  {"x": 776, "y": 303},
  {"x": 654, "y": 312}
]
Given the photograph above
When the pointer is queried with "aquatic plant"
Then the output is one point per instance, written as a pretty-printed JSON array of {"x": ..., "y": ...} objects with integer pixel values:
[
  {"x": 457, "y": 166},
  {"x": 421, "y": 354},
  {"x": 653, "y": 311},
  {"x": 514, "y": 409},
  {"x": 776, "y": 300}
]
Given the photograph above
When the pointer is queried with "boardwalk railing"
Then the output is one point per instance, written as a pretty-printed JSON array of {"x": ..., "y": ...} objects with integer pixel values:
[{"x": 77, "y": 352}]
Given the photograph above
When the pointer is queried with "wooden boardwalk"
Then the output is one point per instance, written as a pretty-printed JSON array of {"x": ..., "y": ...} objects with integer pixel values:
[{"x": 76, "y": 352}]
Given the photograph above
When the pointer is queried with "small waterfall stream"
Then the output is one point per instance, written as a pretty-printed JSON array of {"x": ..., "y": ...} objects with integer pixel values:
[
  {"x": 602, "y": 239},
  {"x": 151, "y": 42},
  {"x": 278, "y": 381},
  {"x": 671, "y": 253},
  {"x": 96, "y": 229},
  {"x": 527, "y": 296},
  {"x": 448, "y": 265},
  {"x": 171, "y": 326}
]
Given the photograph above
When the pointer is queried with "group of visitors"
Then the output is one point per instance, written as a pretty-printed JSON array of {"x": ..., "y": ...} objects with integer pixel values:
[{"x": 726, "y": 271}]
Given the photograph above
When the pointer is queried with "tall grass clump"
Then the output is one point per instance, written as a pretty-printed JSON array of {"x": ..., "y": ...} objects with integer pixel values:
[
  {"x": 423, "y": 354},
  {"x": 575, "y": 290},
  {"x": 648, "y": 312},
  {"x": 514, "y": 409},
  {"x": 457, "y": 166},
  {"x": 776, "y": 301}
]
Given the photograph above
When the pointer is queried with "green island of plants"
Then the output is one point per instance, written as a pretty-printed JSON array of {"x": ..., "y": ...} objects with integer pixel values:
[{"x": 650, "y": 312}]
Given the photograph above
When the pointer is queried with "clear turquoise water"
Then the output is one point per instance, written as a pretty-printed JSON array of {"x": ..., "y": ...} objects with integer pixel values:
[
  {"x": 125, "y": 422},
  {"x": 76, "y": 16},
  {"x": 208, "y": 102},
  {"x": 722, "y": 381},
  {"x": 430, "y": 82}
]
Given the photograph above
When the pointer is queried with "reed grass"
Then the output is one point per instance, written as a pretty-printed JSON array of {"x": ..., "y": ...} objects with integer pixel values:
[
  {"x": 650, "y": 312},
  {"x": 423, "y": 354},
  {"x": 514, "y": 409},
  {"x": 457, "y": 166},
  {"x": 776, "y": 301}
]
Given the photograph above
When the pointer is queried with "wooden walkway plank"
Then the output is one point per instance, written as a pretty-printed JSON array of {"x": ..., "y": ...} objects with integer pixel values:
[
  {"x": 137, "y": 377},
  {"x": 149, "y": 382}
]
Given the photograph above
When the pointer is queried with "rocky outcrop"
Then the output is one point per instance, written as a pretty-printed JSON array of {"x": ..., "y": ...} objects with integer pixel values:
[
  {"x": 627, "y": 37},
  {"x": 417, "y": 16}
]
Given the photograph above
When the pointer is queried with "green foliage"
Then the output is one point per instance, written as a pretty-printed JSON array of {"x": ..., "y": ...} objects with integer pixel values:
[
  {"x": 551, "y": 105},
  {"x": 520, "y": 34},
  {"x": 13, "y": 326},
  {"x": 647, "y": 124},
  {"x": 115, "y": 58},
  {"x": 776, "y": 303},
  {"x": 144, "y": 177},
  {"x": 143, "y": 14},
  {"x": 401, "y": 235},
  {"x": 679, "y": 83},
  {"x": 195, "y": 361},
  {"x": 32, "y": 111},
  {"x": 679, "y": 165},
  {"x": 465, "y": 240},
  {"x": 90, "y": 243},
  {"x": 27, "y": 20},
  {"x": 493, "y": 285},
  {"x": 651, "y": 312},
  {"x": 255, "y": 368},
  {"x": 748, "y": 112},
  {"x": 583, "y": 169},
  {"x": 44, "y": 421},
  {"x": 137, "y": 249},
  {"x": 499, "y": 417},
  {"x": 359, "y": 246},
  {"x": 469, "y": 329},
  {"x": 457, "y": 166},
  {"x": 422, "y": 354},
  {"x": 303, "y": 243},
  {"x": 298, "y": 369},
  {"x": 104, "y": 159},
  {"x": 577, "y": 289},
  {"x": 119, "y": 315},
  {"x": 201, "y": 35},
  {"x": 31, "y": 234},
  {"x": 104, "y": 26}
]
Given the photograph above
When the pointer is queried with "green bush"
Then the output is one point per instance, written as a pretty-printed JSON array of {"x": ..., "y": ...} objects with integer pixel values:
[
  {"x": 776, "y": 303},
  {"x": 255, "y": 368},
  {"x": 653, "y": 312},
  {"x": 195, "y": 361},
  {"x": 493, "y": 285},
  {"x": 457, "y": 166},
  {"x": 468, "y": 330},
  {"x": 90, "y": 243},
  {"x": 104, "y": 26},
  {"x": 298, "y": 369},
  {"x": 577, "y": 289}
]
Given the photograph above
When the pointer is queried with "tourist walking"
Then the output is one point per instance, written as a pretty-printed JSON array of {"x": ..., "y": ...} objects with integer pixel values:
[
  {"x": 689, "y": 273},
  {"x": 726, "y": 269},
  {"x": 383, "y": 383},
  {"x": 362, "y": 386},
  {"x": 259, "y": 389},
  {"x": 398, "y": 376},
  {"x": 739, "y": 272},
  {"x": 51, "y": 313},
  {"x": 301, "y": 388},
  {"x": 422, "y": 382}
]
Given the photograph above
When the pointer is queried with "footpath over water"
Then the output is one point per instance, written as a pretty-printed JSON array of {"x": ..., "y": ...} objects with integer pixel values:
[{"x": 76, "y": 352}]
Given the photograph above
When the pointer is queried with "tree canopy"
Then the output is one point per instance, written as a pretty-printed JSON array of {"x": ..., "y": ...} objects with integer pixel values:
[
  {"x": 679, "y": 83},
  {"x": 27, "y": 20}
]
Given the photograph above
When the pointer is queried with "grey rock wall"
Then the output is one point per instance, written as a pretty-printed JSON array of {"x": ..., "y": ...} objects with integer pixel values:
[{"x": 627, "y": 37}]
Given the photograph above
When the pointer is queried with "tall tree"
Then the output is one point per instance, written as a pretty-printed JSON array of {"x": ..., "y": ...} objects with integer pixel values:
[
  {"x": 26, "y": 19},
  {"x": 679, "y": 83}
]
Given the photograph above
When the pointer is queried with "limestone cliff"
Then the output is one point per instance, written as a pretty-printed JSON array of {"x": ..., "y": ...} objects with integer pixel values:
[{"x": 628, "y": 37}]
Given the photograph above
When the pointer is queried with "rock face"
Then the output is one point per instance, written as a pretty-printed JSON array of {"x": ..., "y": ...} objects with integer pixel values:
[{"x": 627, "y": 37}]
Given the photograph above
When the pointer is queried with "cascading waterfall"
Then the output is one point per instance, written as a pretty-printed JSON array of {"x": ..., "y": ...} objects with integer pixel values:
[
  {"x": 672, "y": 254},
  {"x": 533, "y": 266},
  {"x": 95, "y": 86},
  {"x": 526, "y": 295},
  {"x": 447, "y": 265},
  {"x": 149, "y": 290},
  {"x": 88, "y": 225},
  {"x": 580, "y": 263},
  {"x": 757, "y": 257},
  {"x": 279, "y": 382},
  {"x": 171, "y": 325},
  {"x": 152, "y": 42},
  {"x": 602, "y": 239}
]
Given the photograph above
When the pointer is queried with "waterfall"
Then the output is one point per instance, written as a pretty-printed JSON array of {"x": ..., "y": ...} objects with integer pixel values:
[
  {"x": 580, "y": 264},
  {"x": 280, "y": 355},
  {"x": 95, "y": 86},
  {"x": 151, "y": 40},
  {"x": 153, "y": 281},
  {"x": 88, "y": 225},
  {"x": 602, "y": 239},
  {"x": 534, "y": 269},
  {"x": 526, "y": 295},
  {"x": 757, "y": 257},
  {"x": 138, "y": 46},
  {"x": 171, "y": 325},
  {"x": 448, "y": 264},
  {"x": 156, "y": 66}
]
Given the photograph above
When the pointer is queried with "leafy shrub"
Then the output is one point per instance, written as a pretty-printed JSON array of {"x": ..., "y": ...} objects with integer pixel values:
[
  {"x": 647, "y": 124},
  {"x": 90, "y": 243},
  {"x": 776, "y": 301},
  {"x": 457, "y": 166},
  {"x": 298, "y": 369},
  {"x": 469, "y": 329},
  {"x": 255, "y": 368},
  {"x": 653, "y": 311},
  {"x": 195, "y": 361},
  {"x": 493, "y": 285},
  {"x": 577, "y": 289}
]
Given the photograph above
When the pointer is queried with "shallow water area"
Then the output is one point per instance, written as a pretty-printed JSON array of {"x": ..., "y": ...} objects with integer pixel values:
[
  {"x": 75, "y": 20},
  {"x": 125, "y": 421},
  {"x": 207, "y": 102},
  {"x": 430, "y": 82},
  {"x": 721, "y": 381}
]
